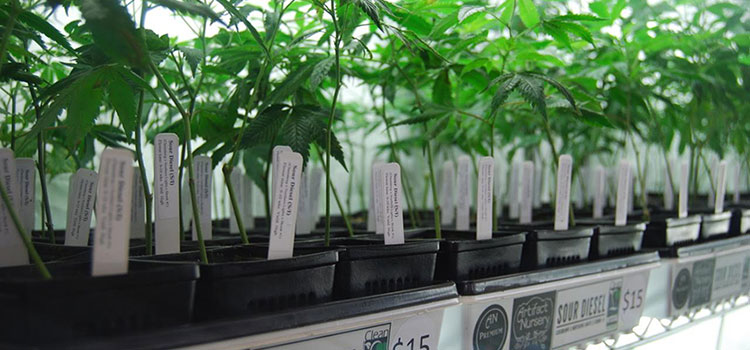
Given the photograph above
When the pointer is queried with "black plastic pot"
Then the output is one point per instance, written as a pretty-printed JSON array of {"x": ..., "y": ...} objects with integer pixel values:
[
  {"x": 667, "y": 230},
  {"x": 73, "y": 304},
  {"x": 715, "y": 225},
  {"x": 610, "y": 240},
  {"x": 740, "y": 222},
  {"x": 240, "y": 281},
  {"x": 545, "y": 247},
  {"x": 462, "y": 257}
]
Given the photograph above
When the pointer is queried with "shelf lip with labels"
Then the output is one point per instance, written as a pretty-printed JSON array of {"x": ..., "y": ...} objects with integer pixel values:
[{"x": 555, "y": 308}]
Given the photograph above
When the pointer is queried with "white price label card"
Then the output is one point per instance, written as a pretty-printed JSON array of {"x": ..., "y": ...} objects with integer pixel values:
[
  {"x": 26, "y": 177},
  {"x": 239, "y": 193},
  {"x": 377, "y": 194},
  {"x": 447, "y": 181},
  {"x": 599, "y": 192},
  {"x": 562, "y": 199},
  {"x": 284, "y": 213},
  {"x": 484, "y": 197},
  {"x": 113, "y": 201},
  {"x": 275, "y": 153},
  {"x": 527, "y": 186},
  {"x": 682, "y": 203},
  {"x": 137, "y": 207},
  {"x": 513, "y": 205},
  {"x": 393, "y": 220},
  {"x": 463, "y": 193},
  {"x": 632, "y": 299},
  {"x": 12, "y": 250},
  {"x": 721, "y": 186},
  {"x": 623, "y": 194},
  {"x": 166, "y": 193},
  {"x": 81, "y": 198},
  {"x": 203, "y": 187}
]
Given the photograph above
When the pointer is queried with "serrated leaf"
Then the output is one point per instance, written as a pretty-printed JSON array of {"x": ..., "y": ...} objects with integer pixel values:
[
  {"x": 442, "y": 91},
  {"x": 559, "y": 86},
  {"x": 192, "y": 56},
  {"x": 502, "y": 93},
  {"x": 123, "y": 99},
  {"x": 288, "y": 86},
  {"x": 242, "y": 18},
  {"x": 41, "y": 25},
  {"x": 82, "y": 108},
  {"x": 369, "y": 8},
  {"x": 337, "y": 152},
  {"x": 264, "y": 128},
  {"x": 114, "y": 31},
  {"x": 532, "y": 90},
  {"x": 577, "y": 30},
  {"x": 298, "y": 131},
  {"x": 557, "y": 33},
  {"x": 320, "y": 71},
  {"x": 528, "y": 12},
  {"x": 195, "y": 8}
]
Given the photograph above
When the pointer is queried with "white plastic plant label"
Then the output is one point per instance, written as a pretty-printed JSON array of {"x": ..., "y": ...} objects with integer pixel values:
[
  {"x": 377, "y": 195},
  {"x": 668, "y": 191},
  {"x": 600, "y": 190},
  {"x": 513, "y": 205},
  {"x": 562, "y": 199},
  {"x": 284, "y": 212},
  {"x": 26, "y": 177},
  {"x": 682, "y": 205},
  {"x": 81, "y": 198},
  {"x": 538, "y": 171},
  {"x": 137, "y": 207},
  {"x": 166, "y": 193},
  {"x": 113, "y": 201},
  {"x": 623, "y": 189},
  {"x": 316, "y": 183},
  {"x": 721, "y": 186},
  {"x": 484, "y": 197},
  {"x": 393, "y": 220},
  {"x": 447, "y": 182},
  {"x": 303, "y": 209},
  {"x": 527, "y": 185},
  {"x": 276, "y": 152},
  {"x": 463, "y": 193},
  {"x": 631, "y": 192},
  {"x": 203, "y": 186},
  {"x": 239, "y": 193},
  {"x": 247, "y": 207},
  {"x": 12, "y": 250}
]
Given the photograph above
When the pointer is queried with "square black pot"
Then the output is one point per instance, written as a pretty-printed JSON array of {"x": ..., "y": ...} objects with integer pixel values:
[
  {"x": 610, "y": 240},
  {"x": 667, "y": 230},
  {"x": 546, "y": 247}
]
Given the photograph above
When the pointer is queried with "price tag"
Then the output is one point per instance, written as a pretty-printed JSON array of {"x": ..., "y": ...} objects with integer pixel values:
[
  {"x": 562, "y": 200},
  {"x": 239, "y": 193},
  {"x": 284, "y": 212},
  {"x": 600, "y": 192},
  {"x": 585, "y": 312},
  {"x": 682, "y": 203},
  {"x": 26, "y": 177},
  {"x": 527, "y": 183},
  {"x": 137, "y": 207},
  {"x": 81, "y": 198},
  {"x": 113, "y": 203},
  {"x": 203, "y": 187},
  {"x": 633, "y": 299},
  {"x": 447, "y": 206},
  {"x": 721, "y": 186},
  {"x": 513, "y": 205},
  {"x": 393, "y": 220},
  {"x": 623, "y": 194},
  {"x": 484, "y": 197},
  {"x": 417, "y": 333},
  {"x": 463, "y": 199},
  {"x": 12, "y": 250}
]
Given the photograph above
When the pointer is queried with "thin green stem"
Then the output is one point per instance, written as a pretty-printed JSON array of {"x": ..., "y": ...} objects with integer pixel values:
[
  {"x": 235, "y": 206},
  {"x": 331, "y": 116},
  {"x": 22, "y": 232},
  {"x": 347, "y": 222},
  {"x": 147, "y": 196},
  {"x": 433, "y": 186},
  {"x": 41, "y": 168}
]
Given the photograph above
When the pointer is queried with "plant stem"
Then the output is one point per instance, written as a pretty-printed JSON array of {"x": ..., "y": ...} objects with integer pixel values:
[
  {"x": 147, "y": 196},
  {"x": 191, "y": 175},
  {"x": 329, "y": 131},
  {"x": 227, "y": 170},
  {"x": 435, "y": 202},
  {"x": 13, "y": 119},
  {"x": 338, "y": 202},
  {"x": 24, "y": 236},
  {"x": 41, "y": 168}
]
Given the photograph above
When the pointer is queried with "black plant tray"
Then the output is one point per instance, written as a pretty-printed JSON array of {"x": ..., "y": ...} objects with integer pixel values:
[
  {"x": 667, "y": 230},
  {"x": 462, "y": 257},
  {"x": 240, "y": 281},
  {"x": 703, "y": 248},
  {"x": 367, "y": 266},
  {"x": 498, "y": 284},
  {"x": 740, "y": 222},
  {"x": 545, "y": 247},
  {"x": 222, "y": 330},
  {"x": 74, "y": 305},
  {"x": 610, "y": 240}
]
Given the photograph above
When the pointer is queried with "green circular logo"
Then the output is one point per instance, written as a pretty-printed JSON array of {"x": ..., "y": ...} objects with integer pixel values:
[{"x": 491, "y": 329}]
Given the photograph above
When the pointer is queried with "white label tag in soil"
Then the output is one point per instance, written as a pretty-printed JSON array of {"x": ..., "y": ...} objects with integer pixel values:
[
  {"x": 721, "y": 186},
  {"x": 463, "y": 193},
  {"x": 683, "y": 195},
  {"x": 513, "y": 189},
  {"x": 277, "y": 151},
  {"x": 284, "y": 213},
  {"x": 137, "y": 207},
  {"x": 484, "y": 198},
  {"x": 600, "y": 192},
  {"x": 81, "y": 198},
  {"x": 26, "y": 177},
  {"x": 447, "y": 181},
  {"x": 623, "y": 190},
  {"x": 166, "y": 193},
  {"x": 113, "y": 201},
  {"x": 393, "y": 220},
  {"x": 377, "y": 195},
  {"x": 12, "y": 250},
  {"x": 527, "y": 186},
  {"x": 239, "y": 193},
  {"x": 203, "y": 186},
  {"x": 562, "y": 200}
]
